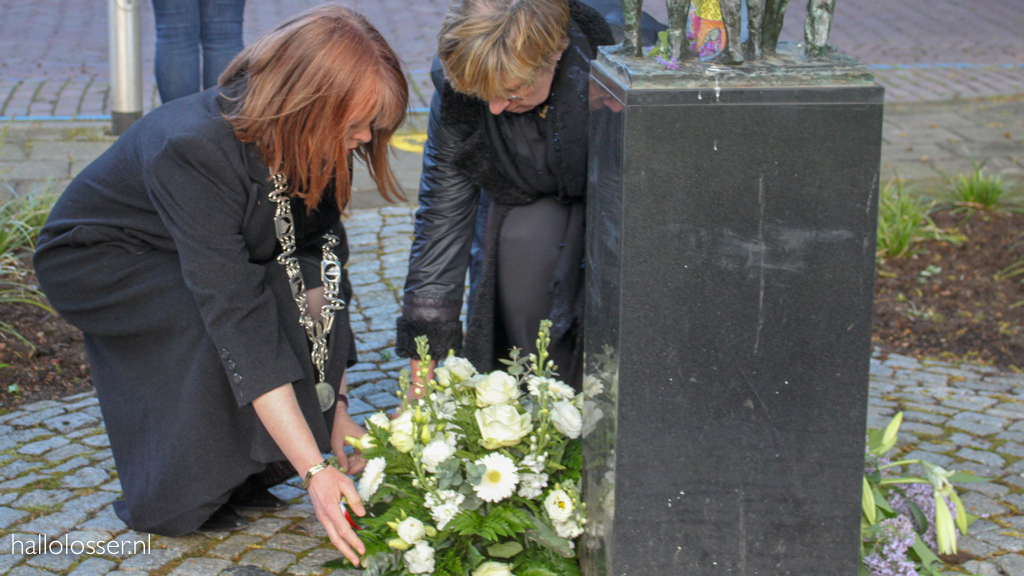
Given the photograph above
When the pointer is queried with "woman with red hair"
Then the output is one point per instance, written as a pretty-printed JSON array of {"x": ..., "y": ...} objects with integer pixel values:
[{"x": 202, "y": 257}]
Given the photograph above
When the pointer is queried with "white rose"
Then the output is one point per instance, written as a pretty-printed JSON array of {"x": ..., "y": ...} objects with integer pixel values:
[
  {"x": 502, "y": 426},
  {"x": 496, "y": 389},
  {"x": 380, "y": 420},
  {"x": 411, "y": 530},
  {"x": 460, "y": 368},
  {"x": 493, "y": 569},
  {"x": 591, "y": 416},
  {"x": 558, "y": 506},
  {"x": 567, "y": 419},
  {"x": 568, "y": 529},
  {"x": 401, "y": 432},
  {"x": 435, "y": 453},
  {"x": 443, "y": 377},
  {"x": 420, "y": 560}
]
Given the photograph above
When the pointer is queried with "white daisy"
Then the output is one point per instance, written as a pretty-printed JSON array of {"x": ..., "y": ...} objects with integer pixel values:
[
  {"x": 499, "y": 479},
  {"x": 443, "y": 509},
  {"x": 373, "y": 477},
  {"x": 435, "y": 453}
]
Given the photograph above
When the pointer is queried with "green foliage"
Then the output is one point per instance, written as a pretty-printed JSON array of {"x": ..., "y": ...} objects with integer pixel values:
[
  {"x": 15, "y": 290},
  {"x": 977, "y": 190},
  {"x": 21, "y": 218},
  {"x": 660, "y": 48},
  {"x": 903, "y": 221}
]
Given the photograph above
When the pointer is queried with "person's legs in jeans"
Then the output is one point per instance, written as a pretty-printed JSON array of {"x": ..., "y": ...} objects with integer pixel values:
[
  {"x": 177, "y": 47},
  {"x": 221, "y": 36}
]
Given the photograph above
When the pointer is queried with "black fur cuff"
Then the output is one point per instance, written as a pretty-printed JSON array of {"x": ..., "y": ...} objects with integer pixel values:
[{"x": 442, "y": 335}]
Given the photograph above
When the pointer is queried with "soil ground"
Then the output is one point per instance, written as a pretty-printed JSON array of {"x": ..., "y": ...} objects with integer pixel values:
[{"x": 947, "y": 301}]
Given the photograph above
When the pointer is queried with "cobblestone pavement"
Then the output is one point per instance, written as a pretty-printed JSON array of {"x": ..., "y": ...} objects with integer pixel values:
[
  {"x": 59, "y": 478},
  {"x": 53, "y": 53}
]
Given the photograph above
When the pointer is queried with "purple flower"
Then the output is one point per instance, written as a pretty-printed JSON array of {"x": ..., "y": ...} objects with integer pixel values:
[
  {"x": 895, "y": 537},
  {"x": 924, "y": 497},
  {"x": 670, "y": 64}
]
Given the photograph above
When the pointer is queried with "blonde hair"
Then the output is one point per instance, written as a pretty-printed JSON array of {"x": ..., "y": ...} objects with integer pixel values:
[
  {"x": 310, "y": 80},
  {"x": 487, "y": 46}
]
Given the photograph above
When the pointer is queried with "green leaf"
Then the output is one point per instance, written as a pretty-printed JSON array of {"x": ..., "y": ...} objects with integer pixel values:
[
  {"x": 867, "y": 502},
  {"x": 889, "y": 436},
  {"x": 546, "y": 536},
  {"x": 919, "y": 517},
  {"x": 881, "y": 502},
  {"x": 924, "y": 555},
  {"x": 505, "y": 549},
  {"x": 534, "y": 571}
]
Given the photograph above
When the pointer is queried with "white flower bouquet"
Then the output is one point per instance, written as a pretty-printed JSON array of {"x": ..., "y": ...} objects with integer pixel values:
[{"x": 476, "y": 477}]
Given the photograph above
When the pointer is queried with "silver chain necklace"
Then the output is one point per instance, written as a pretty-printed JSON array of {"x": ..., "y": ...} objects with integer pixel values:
[{"x": 330, "y": 273}]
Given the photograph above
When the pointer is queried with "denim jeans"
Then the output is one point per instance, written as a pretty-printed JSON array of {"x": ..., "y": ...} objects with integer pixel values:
[{"x": 181, "y": 27}]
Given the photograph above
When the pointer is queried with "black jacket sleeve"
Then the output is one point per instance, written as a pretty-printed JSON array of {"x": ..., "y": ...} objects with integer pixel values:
[{"x": 443, "y": 236}]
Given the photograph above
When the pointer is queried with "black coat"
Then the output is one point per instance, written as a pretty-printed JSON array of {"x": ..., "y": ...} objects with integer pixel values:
[
  {"x": 162, "y": 253},
  {"x": 461, "y": 158}
]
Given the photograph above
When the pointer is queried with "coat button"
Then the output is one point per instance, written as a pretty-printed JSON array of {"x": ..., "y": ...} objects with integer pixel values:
[
  {"x": 224, "y": 354},
  {"x": 236, "y": 378},
  {"x": 231, "y": 365}
]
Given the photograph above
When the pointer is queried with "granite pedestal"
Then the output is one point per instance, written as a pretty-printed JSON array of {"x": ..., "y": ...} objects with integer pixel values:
[{"x": 730, "y": 273}]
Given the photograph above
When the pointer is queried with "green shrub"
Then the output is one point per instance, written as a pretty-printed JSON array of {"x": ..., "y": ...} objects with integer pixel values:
[
  {"x": 903, "y": 221},
  {"x": 977, "y": 190},
  {"x": 21, "y": 218},
  {"x": 15, "y": 290}
]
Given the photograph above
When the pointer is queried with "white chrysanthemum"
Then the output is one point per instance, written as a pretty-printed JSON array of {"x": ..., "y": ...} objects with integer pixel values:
[
  {"x": 567, "y": 419},
  {"x": 435, "y": 453},
  {"x": 460, "y": 368},
  {"x": 532, "y": 485},
  {"x": 411, "y": 530},
  {"x": 558, "y": 505},
  {"x": 532, "y": 463},
  {"x": 380, "y": 420},
  {"x": 420, "y": 559},
  {"x": 499, "y": 480},
  {"x": 592, "y": 386},
  {"x": 373, "y": 477},
  {"x": 568, "y": 529},
  {"x": 443, "y": 509},
  {"x": 556, "y": 389}
]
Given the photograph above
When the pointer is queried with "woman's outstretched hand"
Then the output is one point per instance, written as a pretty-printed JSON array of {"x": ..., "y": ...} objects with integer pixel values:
[
  {"x": 344, "y": 426},
  {"x": 326, "y": 489}
]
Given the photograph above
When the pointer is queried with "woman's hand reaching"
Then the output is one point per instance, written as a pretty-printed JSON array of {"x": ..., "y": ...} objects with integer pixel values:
[
  {"x": 325, "y": 492},
  {"x": 344, "y": 426}
]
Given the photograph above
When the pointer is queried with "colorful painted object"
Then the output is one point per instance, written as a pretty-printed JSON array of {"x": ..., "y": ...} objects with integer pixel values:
[{"x": 706, "y": 31}]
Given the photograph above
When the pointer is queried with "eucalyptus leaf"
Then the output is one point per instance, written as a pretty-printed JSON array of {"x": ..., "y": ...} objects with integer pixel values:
[
  {"x": 546, "y": 536},
  {"x": 472, "y": 502},
  {"x": 504, "y": 549}
]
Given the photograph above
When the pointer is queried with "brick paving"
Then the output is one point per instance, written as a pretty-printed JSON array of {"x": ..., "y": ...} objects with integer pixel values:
[
  {"x": 53, "y": 53},
  {"x": 58, "y": 475}
]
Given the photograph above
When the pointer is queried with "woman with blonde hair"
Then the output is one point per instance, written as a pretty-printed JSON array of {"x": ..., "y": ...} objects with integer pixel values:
[
  {"x": 202, "y": 257},
  {"x": 509, "y": 118}
]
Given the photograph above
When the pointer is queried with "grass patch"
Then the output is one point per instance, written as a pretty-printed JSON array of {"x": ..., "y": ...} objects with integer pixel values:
[
  {"x": 903, "y": 221},
  {"x": 977, "y": 190}
]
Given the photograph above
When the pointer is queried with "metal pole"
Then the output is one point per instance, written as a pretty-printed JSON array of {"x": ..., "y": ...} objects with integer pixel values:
[{"x": 125, "y": 64}]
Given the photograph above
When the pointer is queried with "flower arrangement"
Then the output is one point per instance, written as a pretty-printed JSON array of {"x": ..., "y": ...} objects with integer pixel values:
[
  {"x": 907, "y": 519},
  {"x": 475, "y": 477}
]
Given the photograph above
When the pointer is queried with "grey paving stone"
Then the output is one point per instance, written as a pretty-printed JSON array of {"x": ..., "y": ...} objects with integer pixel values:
[
  {"x": 9, "y": 516},
  {"x": 266, "y": 526},
  {"x": 982, "y": 525},
  {"x": 970, "y": 403},
  {"x": 54, "y": 525},
  {"x": 93, "y": 411},
  {"x": 312, "y": 564},
  {"x": 1012, "y": 448},
  {"x": 1004, "y": 414},
  {"x": 108, "y": 523},
  {"x": 1016, "y": 500},
  {"x": 41, "y": 446},
  {"x": 982, "y": 506},
  {"x": 53, "y": 562},
  {"x": 78, "y": 538},
  {"x": 234, "y": 546},
  {"x": 286, "y": 492},
  {"x": 130, "y": 544},
  {"x": 18, "y": 467},
  {"x": 974, "y": 546},
  {"x": 987, "y": 458},
  {"x": 104, "y": 459},
  {"x": 7, "y": 498},
  {"x": 35, "y": 418},
  {"x": 987, "y": 488},
  {"x": 273, "y": 560},
  {"x": 37, "y": 406},
  {"x": 961, "y": 439},
  {"x": 97, "y": 441},
  {"x": 923, "y": 417},
  {"x": 29, "y": 571},
  {"x": 21, "y": 482},
  {"x": 937, "y": 448},
  {"x": 937, "y": 459},
  {"x": 980, "y": 470},
  {"x": 112, "y": 486},
  {"x": 1014, "y": 479},
  {"x": 8, "y": 561},
  {"x": 68, "y": 466},
  {"x": 90, "y": 502},
  {"x": 150, "y": 560},
  {"x": 42, "y": 498},
  {"x": 67, "y": 422},
  {"x": 92, "y": 567},
  {"x": 1016, "y": 522},
  {"x": 66, "y": 452},
  {"x": 973, "y": 427},
  {"x": 357, "y": 406},
  {"x": 83, "y": 403},
  {"x": 245, "y": 571},
  {"x": 201, "y": 567},
  {"x": 1012, "y": 564},
  {"x": 312, "y": 527},
  {"x": 981, "y": 568},
  {"x": 87, "y": 478},
  {"x": 921, "y": 429},
  {"x": 932, "y": 408},
  {"x": 385, "y": 401},
  {"x": 1004, "y": 540},
  {"x": 1017, "y": 426},
  {"x": 292, "y": 543},
  {"x": 1016, "y": 468},
  {"x": 19, "y": 543}
]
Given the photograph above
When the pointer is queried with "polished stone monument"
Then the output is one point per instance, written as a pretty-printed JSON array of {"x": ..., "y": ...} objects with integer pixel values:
[{"x": 730, "y": 274}]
